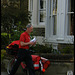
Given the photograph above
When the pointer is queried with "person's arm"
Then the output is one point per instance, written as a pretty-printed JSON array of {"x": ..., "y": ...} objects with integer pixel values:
[
  {"x": 34, "y": 43},
  {"x": 24, "y": 44}
]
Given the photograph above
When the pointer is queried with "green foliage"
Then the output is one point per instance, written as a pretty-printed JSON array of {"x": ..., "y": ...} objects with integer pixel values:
[
  {"x": 10, "y": 13},
  {"x": 3, "y": 53},
  {"x": 4, "y": 40},
  {"x": 12, "y": 16},
  {"x": 16, "y": 35},
  {"x": 41, "y": 49},
  {"x": 69, "y": 49},
  {"x": 16, "y": 32}
]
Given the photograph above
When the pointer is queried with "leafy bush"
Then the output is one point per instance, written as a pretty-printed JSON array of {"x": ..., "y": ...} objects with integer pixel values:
[
  {"x": 68, "y": 49},
  {"x": 3, "y": 53},
  {"x": 4, "y": 40},
  {"x": 41, "y": 49}
]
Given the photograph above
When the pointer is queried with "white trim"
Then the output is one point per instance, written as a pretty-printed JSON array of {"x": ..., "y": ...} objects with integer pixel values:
[
  {"x": 61, "y": 18},
  {"x": 70, "y": 12},
  {"x": 38, "y": 26},
  {"x": 29, "y": 6},
  {"x": 60, "y": 39},
  {"x": 67, "y": 40},
  {"x": 35, "y": 12}
]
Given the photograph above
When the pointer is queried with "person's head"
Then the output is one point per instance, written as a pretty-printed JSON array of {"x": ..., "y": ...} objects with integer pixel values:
[{"x": 29, "y": 28}]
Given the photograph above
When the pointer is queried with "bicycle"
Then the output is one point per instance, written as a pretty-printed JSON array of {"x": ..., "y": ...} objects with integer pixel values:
[{"x": 38, "y": 64}]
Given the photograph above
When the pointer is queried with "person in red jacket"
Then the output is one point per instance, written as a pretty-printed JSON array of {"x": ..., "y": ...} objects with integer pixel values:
[{"x": 23, "y": 53}]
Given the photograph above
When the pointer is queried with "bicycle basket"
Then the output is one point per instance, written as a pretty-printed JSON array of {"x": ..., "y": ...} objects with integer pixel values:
[
  {"x": 13, "y": 48},
  {"x": 12, "y": 51}
]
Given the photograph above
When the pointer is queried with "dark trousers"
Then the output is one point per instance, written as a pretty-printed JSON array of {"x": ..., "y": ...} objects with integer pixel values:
[{"x": 23, "y": 55}]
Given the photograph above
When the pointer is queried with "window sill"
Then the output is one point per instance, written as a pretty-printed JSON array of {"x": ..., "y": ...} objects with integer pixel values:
[{"x": 60, "y": 39}]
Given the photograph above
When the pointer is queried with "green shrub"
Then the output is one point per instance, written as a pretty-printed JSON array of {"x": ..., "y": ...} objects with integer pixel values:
[
  {"x": 3, "y": 53},
  {"x": 41, "y": 49},
  {"x": 4, "y": 40},
  {"x": 68, "y": 49}
]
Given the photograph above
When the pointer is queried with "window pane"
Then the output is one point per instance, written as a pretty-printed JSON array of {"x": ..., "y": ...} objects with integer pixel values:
[
  {"x": 42, "y": 10},
  {"x": 70, "y": 24},
  {"x": 54, "y": 7},
  {"x": 70, "y": 18},
  {"x": 54, "y": 24},
  {"x": 54, "y": 16},
  {"x": 42, "y": 4},
  {"x": 42, "y": 16},
  {"x": 50, "y": 6},
  {"x": 70, "y": 5}
]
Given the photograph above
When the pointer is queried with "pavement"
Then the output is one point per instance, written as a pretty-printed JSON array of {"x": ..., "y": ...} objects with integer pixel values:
[
  {"x": 4, "y": 70},
  {"x": 4, "y": 73}
]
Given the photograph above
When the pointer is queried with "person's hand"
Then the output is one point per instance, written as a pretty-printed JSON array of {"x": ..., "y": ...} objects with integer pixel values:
[
  {"x": 34, "y": 43},
  {"x": 31, "y": 43}
]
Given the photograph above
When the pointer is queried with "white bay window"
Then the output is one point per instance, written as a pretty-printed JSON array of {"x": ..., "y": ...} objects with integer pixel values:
[
  {"x": 59, "y": 21},
  {"x": 56, "y": 16}
]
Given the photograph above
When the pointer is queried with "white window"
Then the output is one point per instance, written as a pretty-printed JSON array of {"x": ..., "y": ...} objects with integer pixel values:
[
  {"x": 42, "y": 11},
  {"x": 70, "y": 17}
]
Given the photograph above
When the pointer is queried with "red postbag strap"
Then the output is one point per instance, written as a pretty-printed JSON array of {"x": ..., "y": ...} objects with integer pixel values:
[{"x": 45, "y": 62}]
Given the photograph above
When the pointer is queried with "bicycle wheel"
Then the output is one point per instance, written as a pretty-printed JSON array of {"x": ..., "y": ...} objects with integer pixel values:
[
  {"x": 27, "y": 72},
  {"x": 10, "y": 65}
]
